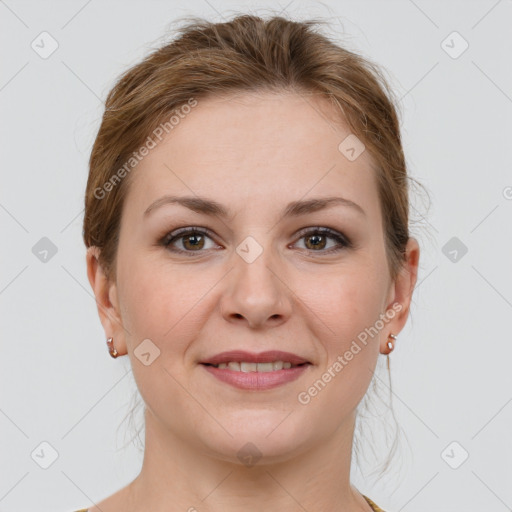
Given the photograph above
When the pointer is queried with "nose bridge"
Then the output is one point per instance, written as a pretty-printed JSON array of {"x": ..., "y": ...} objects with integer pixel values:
[{"x": 256, "y": 292}]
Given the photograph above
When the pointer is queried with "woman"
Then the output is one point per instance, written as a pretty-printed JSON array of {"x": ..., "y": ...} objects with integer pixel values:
[{"x": 248, "y": 246}]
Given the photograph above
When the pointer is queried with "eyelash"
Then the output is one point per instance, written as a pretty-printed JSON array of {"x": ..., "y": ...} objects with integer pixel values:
[{"x": 343, "y": 241}]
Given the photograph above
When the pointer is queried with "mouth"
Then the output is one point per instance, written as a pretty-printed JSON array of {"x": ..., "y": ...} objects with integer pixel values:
[
  {"x": 248, "y": 379},
  {"x": 251, "y": 371}
]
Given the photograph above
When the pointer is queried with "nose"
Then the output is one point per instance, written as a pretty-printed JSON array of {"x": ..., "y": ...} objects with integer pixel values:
[{"x": 256, "y": 293}]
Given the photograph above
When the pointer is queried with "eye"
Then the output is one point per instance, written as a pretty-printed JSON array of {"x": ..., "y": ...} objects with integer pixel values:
[
  {"x": 191, "y": 240},
  {"x": 316, "y": 240}
]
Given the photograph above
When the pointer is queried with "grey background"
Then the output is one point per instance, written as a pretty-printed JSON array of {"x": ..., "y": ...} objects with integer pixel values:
[{"x": 451, "y": 370}]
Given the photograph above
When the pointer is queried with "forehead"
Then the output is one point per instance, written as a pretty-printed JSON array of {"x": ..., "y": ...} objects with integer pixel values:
[{"x": 249, "y": 150}]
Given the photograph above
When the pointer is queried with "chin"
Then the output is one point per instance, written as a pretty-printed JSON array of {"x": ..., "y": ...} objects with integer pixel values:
[{"x": 259, "y": 438}]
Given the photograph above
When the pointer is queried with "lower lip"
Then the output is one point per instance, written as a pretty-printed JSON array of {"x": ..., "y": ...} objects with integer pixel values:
[{"x": 257, "y": 380}]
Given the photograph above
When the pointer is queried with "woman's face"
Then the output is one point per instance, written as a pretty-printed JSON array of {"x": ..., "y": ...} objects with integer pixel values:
[{"x": 261, "y": 279}]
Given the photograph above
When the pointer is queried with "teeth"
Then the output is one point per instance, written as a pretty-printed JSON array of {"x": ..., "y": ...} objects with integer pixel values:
[
  {"x": 254, "y": 367},
  {"x": 248, "y": 367}
]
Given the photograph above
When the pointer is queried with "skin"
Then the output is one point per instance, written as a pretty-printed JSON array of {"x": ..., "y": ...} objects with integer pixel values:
[{"x": 253, "y": 153}]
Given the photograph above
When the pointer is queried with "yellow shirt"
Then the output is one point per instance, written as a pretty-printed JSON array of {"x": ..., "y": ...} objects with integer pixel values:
[{"x": 375, "y": 508}]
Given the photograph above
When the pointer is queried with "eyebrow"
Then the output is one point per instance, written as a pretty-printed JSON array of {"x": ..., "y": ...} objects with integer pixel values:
[{"x": 295, "y": 208}]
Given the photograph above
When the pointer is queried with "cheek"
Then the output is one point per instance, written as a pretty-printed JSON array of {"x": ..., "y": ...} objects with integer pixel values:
[
  {"x": 165, "y": 304},
  {"x": 155, "y": 297},
  {"x": 345, "y": 304},
  {"x": 346, "y": 309},
  {"x": 159, "y": 305}
]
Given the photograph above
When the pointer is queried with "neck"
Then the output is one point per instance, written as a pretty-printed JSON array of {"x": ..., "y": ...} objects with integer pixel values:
[{"x": 178, "y": 476}]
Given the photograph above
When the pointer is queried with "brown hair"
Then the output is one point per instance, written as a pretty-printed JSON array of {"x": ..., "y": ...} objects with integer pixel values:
[{"x": 247, "y": 53}]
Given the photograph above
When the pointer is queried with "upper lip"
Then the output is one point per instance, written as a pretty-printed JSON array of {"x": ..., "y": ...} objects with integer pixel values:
[{"x": 251, "y": 357}]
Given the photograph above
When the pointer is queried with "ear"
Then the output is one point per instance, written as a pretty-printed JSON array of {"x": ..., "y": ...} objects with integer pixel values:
[
  {"x": 107, "y": 302},
  {"x": 400, "y": 295}
]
